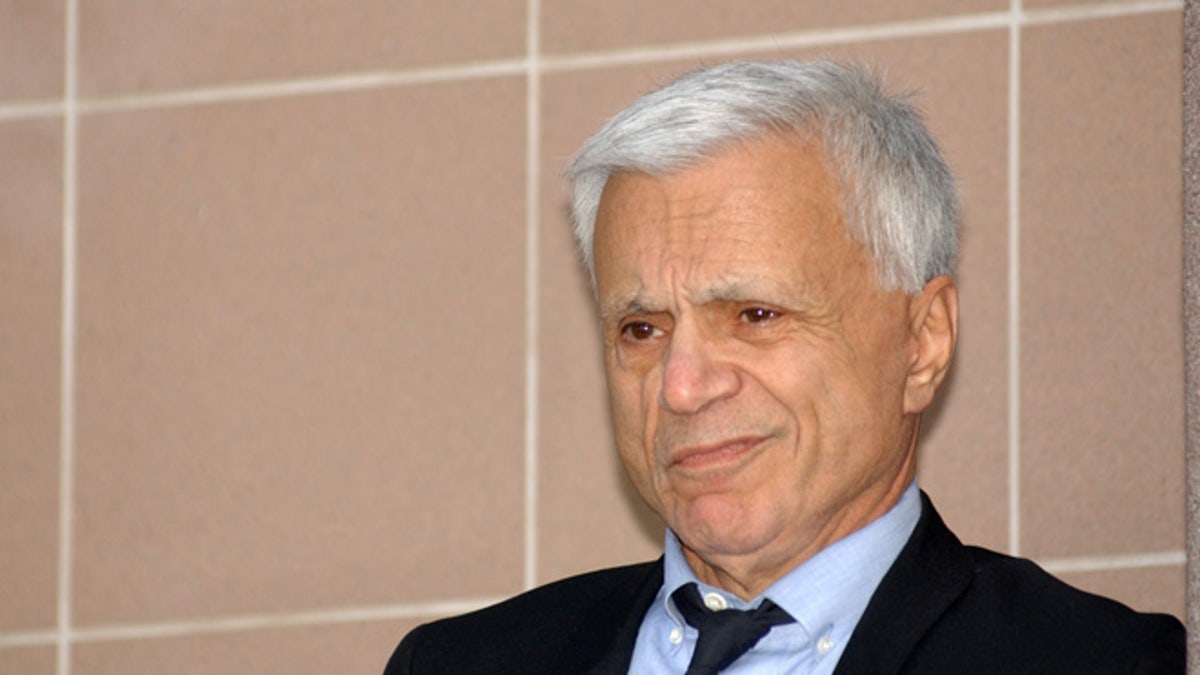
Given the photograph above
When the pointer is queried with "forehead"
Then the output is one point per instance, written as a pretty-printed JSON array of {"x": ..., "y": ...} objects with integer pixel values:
[{"x": 762, "y": 215}]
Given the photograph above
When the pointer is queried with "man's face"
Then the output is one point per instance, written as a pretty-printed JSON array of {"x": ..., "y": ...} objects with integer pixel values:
[{"x": 757, "y": 371}]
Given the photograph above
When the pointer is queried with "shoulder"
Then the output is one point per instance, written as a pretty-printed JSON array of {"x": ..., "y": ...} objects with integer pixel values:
[
  {"x": 1023, "y": 588},
  {"x": 570, "y": 618},
  {"x": 1016, "y": 615},
  {"x": 948, "y": 608}
]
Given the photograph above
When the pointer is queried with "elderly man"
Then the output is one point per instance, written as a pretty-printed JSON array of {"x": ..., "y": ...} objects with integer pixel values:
[{"x": 771, "y": 246}]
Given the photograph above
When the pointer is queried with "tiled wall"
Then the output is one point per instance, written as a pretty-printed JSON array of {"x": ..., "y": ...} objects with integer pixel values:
[{"x": 294, "y": 352}]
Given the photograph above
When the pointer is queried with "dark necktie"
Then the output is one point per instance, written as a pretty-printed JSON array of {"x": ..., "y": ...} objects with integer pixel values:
[{"x": 725, "y": 634}]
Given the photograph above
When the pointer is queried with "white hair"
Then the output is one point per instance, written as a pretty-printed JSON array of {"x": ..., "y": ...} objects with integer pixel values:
[{"x": 898, "y": 195}]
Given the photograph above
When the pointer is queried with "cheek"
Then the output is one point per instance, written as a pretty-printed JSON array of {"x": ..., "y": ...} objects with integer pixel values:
[
  {"x": 829, "y": 402},
  {"x": 809, "y": 379},
  {"x": 629, "y": 426},
  {"x": 632, "y": 397},
  {"x": 859, "y": 412},
  {"x": 629, "y": 418},
  {"x": 884, "y": 376}
]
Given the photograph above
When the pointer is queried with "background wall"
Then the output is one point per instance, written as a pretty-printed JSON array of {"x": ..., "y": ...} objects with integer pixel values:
[{"x": 295, "y": 355}]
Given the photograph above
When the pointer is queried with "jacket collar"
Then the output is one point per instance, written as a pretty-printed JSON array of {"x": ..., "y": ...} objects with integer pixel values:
[
  {"x": 932, "y": 571},
  {"x": 626, "y": 620}
]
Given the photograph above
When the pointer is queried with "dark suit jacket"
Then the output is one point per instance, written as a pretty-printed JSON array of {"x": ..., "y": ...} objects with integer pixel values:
[{"x": 942, "y": 608}]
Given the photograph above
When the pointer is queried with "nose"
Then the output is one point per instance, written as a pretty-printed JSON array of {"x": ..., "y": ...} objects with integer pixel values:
[{"x": 694, "y": 373}]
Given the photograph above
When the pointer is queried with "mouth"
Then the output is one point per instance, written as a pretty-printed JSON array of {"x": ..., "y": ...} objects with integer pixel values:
[{"x": 717, "y": 456}]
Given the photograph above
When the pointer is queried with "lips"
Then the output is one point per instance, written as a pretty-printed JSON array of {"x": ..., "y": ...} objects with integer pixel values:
[{"x": 716, "y": 455}]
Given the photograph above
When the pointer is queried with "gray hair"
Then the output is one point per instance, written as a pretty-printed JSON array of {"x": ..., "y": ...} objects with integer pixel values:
[{"x": 898, "y": 195}]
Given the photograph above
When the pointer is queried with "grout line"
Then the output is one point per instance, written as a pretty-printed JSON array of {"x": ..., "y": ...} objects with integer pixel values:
[
  {"x": 532, "y": 218},
  {"x": 251, "y": 622},
  {"x": 37, "y": 638},
  {"x": 243, "y": 623},
  {"x": 66, "y": 476},
  {"x": 838, "y": 36},
  {"x": 1014, "y": 280},
  {"x": 778, "y": 41},
  {"x": 308, "y": 86},
  {"x": 584, "y": 60},
  {"x": 1102, "y": 563},
  {"x": 1100, "y": 11},
  {"x": 30, "y": 110}
]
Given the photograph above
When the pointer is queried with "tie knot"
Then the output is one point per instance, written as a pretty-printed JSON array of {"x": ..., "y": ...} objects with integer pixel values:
[{"x": 725, "y": 634}]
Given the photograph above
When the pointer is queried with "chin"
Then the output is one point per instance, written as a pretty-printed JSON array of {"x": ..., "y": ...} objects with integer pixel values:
[{"x": 722, "y": 525}]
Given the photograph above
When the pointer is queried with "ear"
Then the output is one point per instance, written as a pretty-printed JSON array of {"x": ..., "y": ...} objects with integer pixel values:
[{"x": 933, "y": 322}]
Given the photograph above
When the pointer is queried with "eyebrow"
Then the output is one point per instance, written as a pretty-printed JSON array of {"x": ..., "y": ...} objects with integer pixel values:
[
  {"x": 623, "y": 306},
  {"x": 729, "y": 289},
  {"x": 733, "y": 289}
]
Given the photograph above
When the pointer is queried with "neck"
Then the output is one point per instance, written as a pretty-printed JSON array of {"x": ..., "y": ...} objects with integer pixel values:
[{"x": 747, "y": 575}]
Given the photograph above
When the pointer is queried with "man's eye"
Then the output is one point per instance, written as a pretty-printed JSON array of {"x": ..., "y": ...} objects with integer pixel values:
[
  {"x": 758, "y": 314},
  {"x": 639, "y": 330}
]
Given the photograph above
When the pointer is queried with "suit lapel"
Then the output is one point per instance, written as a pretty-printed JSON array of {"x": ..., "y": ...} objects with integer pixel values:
[
  {"x": 622, "y": 620},
  {"x": 931, "y": 572}
]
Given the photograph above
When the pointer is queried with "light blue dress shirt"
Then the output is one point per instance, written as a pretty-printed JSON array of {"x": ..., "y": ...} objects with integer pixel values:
[{"x": 827, "y": 595}]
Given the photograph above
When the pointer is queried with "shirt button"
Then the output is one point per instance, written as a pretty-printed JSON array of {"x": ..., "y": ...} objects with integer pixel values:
[
  {"x": 676, "y": 636},
  {"x": 824, "y": 645},
  {"x": 714, "y": 601}
]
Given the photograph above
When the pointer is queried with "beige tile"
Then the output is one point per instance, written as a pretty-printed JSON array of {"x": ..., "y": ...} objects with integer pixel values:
[
  {"x": 583, "y": 25},
  {"x": 301, "y": 344},
  {"x": 589, "y": 517},
  {"x": 32, "y": 36},
  {"x": 1101, "y": 363},
  {"x": 31, "y": 304},
  {"x": 307, "y": 650},
  {"x": 28, "y": 660},
  {"x": 1146, "y": 589},
  {"x": 142, "y": 45}
]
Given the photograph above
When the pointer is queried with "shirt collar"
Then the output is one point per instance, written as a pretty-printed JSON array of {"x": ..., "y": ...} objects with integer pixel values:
[{"x": 830, "y": 589}]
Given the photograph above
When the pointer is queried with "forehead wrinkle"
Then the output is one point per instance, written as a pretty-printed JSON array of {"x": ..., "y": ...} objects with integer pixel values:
[
  {"x": 690, "y": 247},
  {"x": 732, "y": 287}
]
